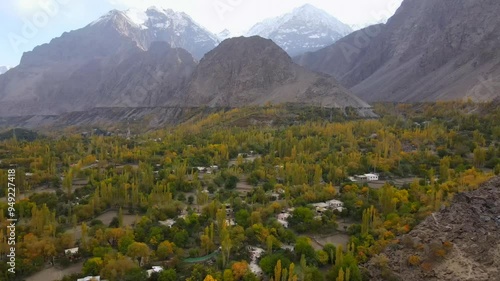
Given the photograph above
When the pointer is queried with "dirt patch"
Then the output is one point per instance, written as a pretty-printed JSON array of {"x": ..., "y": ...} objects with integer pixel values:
[
  {"x": 339, "y": 239},
  {"x": 106, "y": 219},
  {"x": 53, "y": 273}
]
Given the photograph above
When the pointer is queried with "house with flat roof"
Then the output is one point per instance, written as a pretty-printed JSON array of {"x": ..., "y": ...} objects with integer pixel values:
[
  {"x": 154, "y": 269},
  {"x": 90, "y": 278},
  {"x": 367, "y": 177}
]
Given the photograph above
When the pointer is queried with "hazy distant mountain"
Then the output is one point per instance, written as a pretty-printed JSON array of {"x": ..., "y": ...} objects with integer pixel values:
[
  {"x": 305, "y": 29},
  {"x": 128, "y": 59},
  {"x": 93, "y": 66},
  {"x": 254, "y": 71},
  {"x": 3, "y": 69},
  {"x": 223, "y": 35},
  {"x": 429, "y": 50}
]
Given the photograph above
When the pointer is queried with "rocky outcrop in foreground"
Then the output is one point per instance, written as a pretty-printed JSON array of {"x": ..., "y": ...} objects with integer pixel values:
[{"x": 461, "y": 242}]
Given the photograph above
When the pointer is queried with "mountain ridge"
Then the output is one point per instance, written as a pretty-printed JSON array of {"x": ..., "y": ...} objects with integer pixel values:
[
  {"x": 256, "y": 71},
  {"x": 427, "y": 51}
]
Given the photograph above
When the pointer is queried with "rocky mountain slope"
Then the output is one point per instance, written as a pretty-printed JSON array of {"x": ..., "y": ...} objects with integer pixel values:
[
  {"x": 467, "y": 233},
  {"x": 429, "y": 50},
  {"x": 151, "y": 78},
  {"x": 254, "y": 71},
  {"x": 133, "y": 59},
  {"x": 305, "y": 29}
]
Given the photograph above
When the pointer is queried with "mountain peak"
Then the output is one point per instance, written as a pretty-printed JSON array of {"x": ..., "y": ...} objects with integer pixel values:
[
  {"x": 251, "y": 47},
  {"x": 158, "y": 24},
  {"x": 111, "y": 16},
  {"x": 305, "y": 29},
  {"x": 253, "y": 71}
]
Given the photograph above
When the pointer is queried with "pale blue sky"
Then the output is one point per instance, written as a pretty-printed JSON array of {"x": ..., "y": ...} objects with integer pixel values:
[{"x": 25, "y": 24}]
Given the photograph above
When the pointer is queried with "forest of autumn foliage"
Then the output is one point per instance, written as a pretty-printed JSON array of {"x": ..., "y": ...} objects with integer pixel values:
[{"x": 222, "y": 181}]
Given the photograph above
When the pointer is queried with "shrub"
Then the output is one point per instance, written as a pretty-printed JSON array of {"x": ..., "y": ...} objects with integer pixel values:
[
  {"x": 426, "y": 266},
  {"x": 414, "y": 260}
]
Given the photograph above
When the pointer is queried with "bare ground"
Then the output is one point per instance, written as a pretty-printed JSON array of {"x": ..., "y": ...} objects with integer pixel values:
[{"x": 53, "y": 273}]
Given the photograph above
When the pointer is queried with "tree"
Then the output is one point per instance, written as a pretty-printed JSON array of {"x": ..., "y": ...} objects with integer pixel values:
[
  {"x": 228, "y": 275},
  {"x": 209, "y": 278},
  {"x": 302, "y": 219},
  {"x": 239, "y": 269},
  {"x": 226, "y": 245},
  {"x": 322, "y": 257},
  {"x": 277, "y": 271},
  {"x": 125, "y": 242},
  {"x": 138, "y": 250},
  {"x": 117, "y": 267},
  {"x": 355, "y": 273},
  {"x": 66, "y": 241},
  {"x": 367, "y": 220},
  {"x": 231, "y": 182},
  {"x": 330, "y": 250},
  {"x": 168, "y": 275},
  {"x": 135, "y": 274},
  {"x": 313, "y": 274},
  {"x": 479, "y": 157},
  {"x": 165, "y": 249},
  {"x": 242, "y": 217},
  {"x": 268, "y": 263},
  {"x": 340, "y": 277},
  {"x": 120, "y": 218},
  {"x": 93, "y": 266},
  {"x": 339, "y": 257},
  {"x": 291, "y": 273},
  {"x": 303, "y": 247}
]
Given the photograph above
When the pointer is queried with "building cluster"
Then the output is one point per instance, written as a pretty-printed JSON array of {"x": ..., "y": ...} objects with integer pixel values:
[
  {"x": 207, "y": 170},
  {"x": 334, "y": 205},
  {"x": 283, "y": 217}
]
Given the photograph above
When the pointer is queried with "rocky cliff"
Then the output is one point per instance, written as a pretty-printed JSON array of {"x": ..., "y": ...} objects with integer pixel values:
[
  {"x": 429, "y": 50},
  {"x": 460, "y": 242}
]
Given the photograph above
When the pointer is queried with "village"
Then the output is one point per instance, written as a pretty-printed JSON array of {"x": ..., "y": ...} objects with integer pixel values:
[
  {"x": 192, "y": 202},
  {"x": 203, "y": 172}
]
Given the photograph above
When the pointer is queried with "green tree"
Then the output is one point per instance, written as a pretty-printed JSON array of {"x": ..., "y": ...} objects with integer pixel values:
[
  {"x": 168, "y": 275},
  {"x": 93, "y": 266},
  {"x": 138, "y": 250}
]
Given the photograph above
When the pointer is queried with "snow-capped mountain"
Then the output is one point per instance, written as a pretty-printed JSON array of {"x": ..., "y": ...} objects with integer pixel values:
[
  {"x": 4, "y": 69},
  {"x": 156, "y": 24},
  {"x": 305, "y": 29}
]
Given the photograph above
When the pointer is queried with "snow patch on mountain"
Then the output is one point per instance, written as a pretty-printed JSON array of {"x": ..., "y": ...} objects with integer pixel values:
[
  {"x": 167, "y": 25},
  {"x": 306, "y": 28},
  {"x": 137, "y": 17}
]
